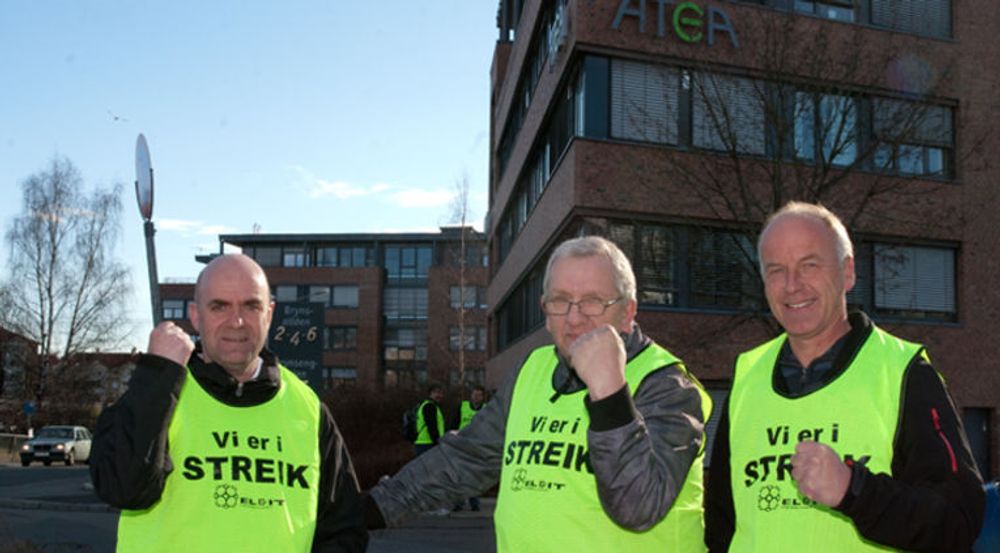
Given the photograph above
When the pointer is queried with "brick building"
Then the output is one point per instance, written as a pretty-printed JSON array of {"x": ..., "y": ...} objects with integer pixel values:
[
  {"x": 673, "y": 128},
  {"x": 378, "y": 309}
]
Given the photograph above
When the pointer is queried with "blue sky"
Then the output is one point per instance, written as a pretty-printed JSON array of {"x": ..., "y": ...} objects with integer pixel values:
[{"x": 297, "y": 116}]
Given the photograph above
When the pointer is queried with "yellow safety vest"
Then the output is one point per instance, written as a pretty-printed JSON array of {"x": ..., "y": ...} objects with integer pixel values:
[
  {"x": 548, "y": 497},
  {"x": 423, "y": 433},
  {"x": 466, "y": 413},
  {"x": 856, "y": 414},
  {"x": 244, "y": 478}
]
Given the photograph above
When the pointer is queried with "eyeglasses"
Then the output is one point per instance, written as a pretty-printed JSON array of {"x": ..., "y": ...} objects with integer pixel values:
[{"x": 590, "y": 307}]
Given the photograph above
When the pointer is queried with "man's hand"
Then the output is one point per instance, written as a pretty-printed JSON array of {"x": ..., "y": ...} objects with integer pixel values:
[
  {"x": 819, "y": 473},
  {"x": 167, "y": 340},
  {"x": 599, "y": 360}
]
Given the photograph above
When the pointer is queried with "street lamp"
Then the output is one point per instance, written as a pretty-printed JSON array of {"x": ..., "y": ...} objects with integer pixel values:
[{"x": 144, "y": 195}]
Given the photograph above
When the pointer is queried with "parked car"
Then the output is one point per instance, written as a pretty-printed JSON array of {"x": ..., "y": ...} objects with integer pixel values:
[{"x": 68, "y": 444}]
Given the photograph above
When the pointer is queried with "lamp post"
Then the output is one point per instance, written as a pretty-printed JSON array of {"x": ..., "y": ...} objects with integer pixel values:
[{"x": 144, "y": 195}]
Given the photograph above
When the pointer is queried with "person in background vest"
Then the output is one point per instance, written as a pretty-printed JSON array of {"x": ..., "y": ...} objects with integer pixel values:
[
  {"x": 218, "y": 447},
  {"x": 468, "y": 409},
  {"x": 837, "y": 436},
  {"x": 595, "y": 441},
  {"x": 430, "y": 423}
]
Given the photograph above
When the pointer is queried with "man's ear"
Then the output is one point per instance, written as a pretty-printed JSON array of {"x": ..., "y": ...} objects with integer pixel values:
[
  {"x": 631, "y": 308},
  {"x": 850, "y": 278},
  {"x": 193, "y": 316}
]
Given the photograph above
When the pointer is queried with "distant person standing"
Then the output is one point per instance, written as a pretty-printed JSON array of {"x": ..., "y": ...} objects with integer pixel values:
[
  {"x": 466, "y": 411},
  {"x": 430, "y": 420},
  {"x": 471, "y": 406}
]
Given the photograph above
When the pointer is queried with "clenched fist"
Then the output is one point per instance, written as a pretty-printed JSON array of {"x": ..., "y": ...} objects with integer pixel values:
[
  {"x": 169, "y": 341},
  {"x": 819, "y": 473},
  {"x": 599, "y": 360}
]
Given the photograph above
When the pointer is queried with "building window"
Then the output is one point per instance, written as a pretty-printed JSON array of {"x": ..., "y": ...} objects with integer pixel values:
[
  {"x": 473, "y": 376},
  {"x": 840, "y": 10},
  {"x": 334, "y": 375},
  {"x": 723, "y": 270},
  {"x": 173, "y": 310},
  {"x": 977, "y": 423},
  {"x": 923, "y": 17},
  {"x": 913, "y": 139},
  {"x": 727, "y": 114},
  {"x": 825, "y": 128},
  {"x": 405, "y": 303},
  {"x": 909, "y": 278},
  {"x": 521, "y": 312},
  {"x": 405, "y": 346},
  {"x": 339, "y": 338},
  {"x": 319, "y": 294},
  {"x": 644, "y": 100},
  {"x": 267, "y": 257},
  {"x": 906, "y": 282},
  {"x": 286, "y": 293},
  {"x": 344, "y": 296},
  {"x": 474, "y": 297},
  {"x": 651, "y": 250},
  {"x": 343, "y": 256},
  {"x": 295, "y": 257},
  {"x": 408, "y": 262},
  {"x": 475, "y": 338}
]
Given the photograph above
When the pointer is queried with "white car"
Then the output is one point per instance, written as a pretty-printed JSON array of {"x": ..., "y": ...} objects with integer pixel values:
[{"x": 68, "y": 444}]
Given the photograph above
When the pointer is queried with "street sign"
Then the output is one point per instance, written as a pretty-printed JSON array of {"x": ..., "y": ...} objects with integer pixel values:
[
  {"x": 143, "y": 178},
  {"x": 144, "y": 195}
]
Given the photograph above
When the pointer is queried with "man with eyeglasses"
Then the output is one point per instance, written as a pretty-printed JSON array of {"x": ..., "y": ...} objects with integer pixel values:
[{"x": 596, "y": 442}]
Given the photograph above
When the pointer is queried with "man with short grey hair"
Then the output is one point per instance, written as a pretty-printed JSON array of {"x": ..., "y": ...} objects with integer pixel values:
[
  {"x": 596, "y": 442},
  {"x": 837, "y": 435}
]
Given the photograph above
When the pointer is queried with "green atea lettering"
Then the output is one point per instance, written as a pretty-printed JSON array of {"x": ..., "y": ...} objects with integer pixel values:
[{"x": 238, "y": 468}]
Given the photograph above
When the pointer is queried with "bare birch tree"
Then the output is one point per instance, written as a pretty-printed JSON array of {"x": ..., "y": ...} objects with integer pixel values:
[
  {"x": 460, "y": 215},
  {"x": 65, "y": 288}
]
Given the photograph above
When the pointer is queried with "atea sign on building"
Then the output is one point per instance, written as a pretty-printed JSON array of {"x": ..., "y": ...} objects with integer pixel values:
[{"x": 689, "y": 21}]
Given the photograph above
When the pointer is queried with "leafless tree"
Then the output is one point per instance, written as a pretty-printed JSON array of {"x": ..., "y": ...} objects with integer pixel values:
[
  {"x": 65, "y": 289},
  {"x": 819, "y": 105},
  {"x": 459, "y": 214}
]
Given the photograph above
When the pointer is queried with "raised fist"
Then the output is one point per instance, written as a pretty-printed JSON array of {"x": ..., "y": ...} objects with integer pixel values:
[
  {"x": 599, "y": 360},
  {"x": 819, "y": 473},
  {"x": 169, "y": 341}
]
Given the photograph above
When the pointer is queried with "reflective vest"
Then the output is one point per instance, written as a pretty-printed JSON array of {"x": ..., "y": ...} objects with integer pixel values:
[
  {"x": 244, "y": 478},
  {"x": 423, "y": 434},
  {"x": 548, "y": 497},
  {"x": 466, "y": 413},
  {"x": 856, "y": 414}
]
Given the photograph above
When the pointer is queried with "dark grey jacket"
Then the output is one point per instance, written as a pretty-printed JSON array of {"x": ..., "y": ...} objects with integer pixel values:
[{"x": 640, "y": 449}]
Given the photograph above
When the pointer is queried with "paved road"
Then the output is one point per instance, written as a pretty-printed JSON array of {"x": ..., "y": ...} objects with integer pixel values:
[{"x": 54, "y": 508}]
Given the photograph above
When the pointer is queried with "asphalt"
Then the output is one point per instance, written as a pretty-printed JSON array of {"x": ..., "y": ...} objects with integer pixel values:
[{"x": 78, "y": 495}]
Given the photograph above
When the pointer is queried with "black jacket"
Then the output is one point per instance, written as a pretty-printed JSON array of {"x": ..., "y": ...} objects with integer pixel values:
[
  {"x": 934, "y": 500},
  {"x": 429, "y": 413},
  {"x": 130, "y": 463}
]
